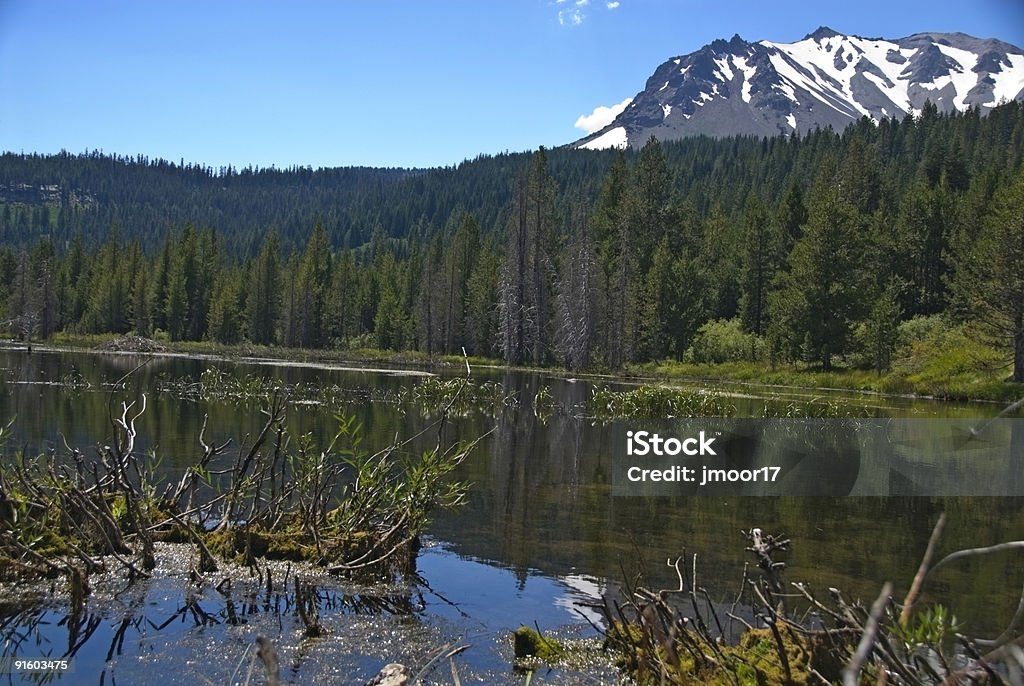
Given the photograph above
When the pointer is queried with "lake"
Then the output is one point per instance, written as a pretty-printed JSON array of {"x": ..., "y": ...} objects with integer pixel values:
[{"x": 540, "y": 537}]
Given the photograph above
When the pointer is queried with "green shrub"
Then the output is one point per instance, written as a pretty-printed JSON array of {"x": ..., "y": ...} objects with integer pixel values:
[
  {"x": 946, "y": 361},
  {"x": 724, "y": 340},
  {"x": 920, "y": 328}
]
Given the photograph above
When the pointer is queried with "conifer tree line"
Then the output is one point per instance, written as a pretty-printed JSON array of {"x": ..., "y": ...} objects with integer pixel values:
[{"x": 810, "y": 248}]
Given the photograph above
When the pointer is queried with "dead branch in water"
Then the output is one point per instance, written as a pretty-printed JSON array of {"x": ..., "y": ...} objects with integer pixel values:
[{"x": 659, "y": 643}]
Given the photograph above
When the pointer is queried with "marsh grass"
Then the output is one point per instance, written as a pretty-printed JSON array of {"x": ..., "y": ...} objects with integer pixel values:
[
  {"x": 677, "y": 637},
  {"x": 334, "y": 503},
  {"x": 667, "y": 402}
]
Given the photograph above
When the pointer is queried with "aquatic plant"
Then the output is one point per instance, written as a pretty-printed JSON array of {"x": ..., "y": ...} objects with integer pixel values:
[
  {"x": 657, "y": 402},
  {"x": 280, "y": 496},
  {"x": 658, "y": 640},
  {"x": 667, "y": 402},
  {"x": 460, "y": 396}
]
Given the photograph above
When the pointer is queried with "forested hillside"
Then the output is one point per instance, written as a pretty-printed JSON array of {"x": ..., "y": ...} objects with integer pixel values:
[{"x": 806, "y": 248}]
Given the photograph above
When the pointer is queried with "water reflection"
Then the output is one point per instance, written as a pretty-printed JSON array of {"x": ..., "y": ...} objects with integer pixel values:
[
  {"x": 205, "y": 631},
  {"x": 541, "y": 527}
]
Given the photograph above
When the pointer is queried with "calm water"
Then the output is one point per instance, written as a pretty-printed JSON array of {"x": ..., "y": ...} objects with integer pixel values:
[{"x": 541, "y": 532}]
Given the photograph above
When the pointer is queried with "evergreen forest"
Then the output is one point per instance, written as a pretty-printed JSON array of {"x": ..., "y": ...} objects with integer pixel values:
[{"x": 815, "y": 249}]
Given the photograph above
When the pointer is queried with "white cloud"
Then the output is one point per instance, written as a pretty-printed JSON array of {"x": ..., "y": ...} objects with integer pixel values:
[
  {"x": 582, "y": 3},
  {"x": 601, "y": 116},
  {"x": 573, "y": 17},
  {"x": 612, "y": 5}
]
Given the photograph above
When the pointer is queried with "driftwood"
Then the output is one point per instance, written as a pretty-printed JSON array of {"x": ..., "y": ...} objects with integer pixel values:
[{"x": 764, "y": 546}]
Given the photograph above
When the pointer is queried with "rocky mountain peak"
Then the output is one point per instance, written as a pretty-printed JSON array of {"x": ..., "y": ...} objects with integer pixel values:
[{"x": 736, "y": 87}]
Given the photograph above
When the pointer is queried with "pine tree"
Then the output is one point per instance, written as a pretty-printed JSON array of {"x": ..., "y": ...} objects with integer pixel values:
[
  {"x": 182, "y": 287},
  {"x": 176, "y": 305},
  {"x": 661, "y": 326},
  {"x": 343, "y": 296},
  {"x": 878, "y": 334},
  {"x": 226, "y": 308},
  {"x": 314, "y": 279},
  {"x": 615, "y": 259},
  {"x": 44, "y": 274},
  {"x": 989, "y": 281},
  {"x": 158, "y": 285},
  {"x": 263, "y": 303},
  {"x": 820, "y": 297},
  {"x": 430, "y": 299},
  {"x": 142, "y": 314},
  {"x": 21, "y": 306},
  {"x": 73, "y": 284},
  {"x": 721, "y": 260},
  {"x": 791, "y": 216},
  {"x": 109, "y": 301},
  {"x": 760, "y": 261},
  {"x": 459, "y": 260},
  {"x": 481, "y": 296},
  {"x": 205, "y": 264},
  {"x": 391, "y": 323}
]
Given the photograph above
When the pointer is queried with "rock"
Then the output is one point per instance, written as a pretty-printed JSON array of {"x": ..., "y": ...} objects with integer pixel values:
[{"x": 393, "y": 674}]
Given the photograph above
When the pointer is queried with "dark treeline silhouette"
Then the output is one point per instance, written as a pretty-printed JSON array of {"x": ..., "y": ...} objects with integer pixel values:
[{"x": 806, "y": 247}]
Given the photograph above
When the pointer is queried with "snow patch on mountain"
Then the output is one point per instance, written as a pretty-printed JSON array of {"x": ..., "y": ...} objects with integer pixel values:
[
  {"x": 1008, "y": 83},
  {"x": 748, "y": 76},
  {"x": 965, "y": 79},
  {"x": 615, "y": 138}
]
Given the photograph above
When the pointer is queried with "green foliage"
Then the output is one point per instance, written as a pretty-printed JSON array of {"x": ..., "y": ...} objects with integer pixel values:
[
  {"x": 989, "y": 282},
  {"x": 877, "y": 336},
  {"x": 821, "y": 295},
  {"x": 929, "y": 629},
  {"x": 528, "y": 642},
  {"x": 461, "y": 396},
  {"x": 939, "y": 357},
  {"x": 392, "y": 491},
  {"x": 724, "y": 340},
  {"x": 263, "y": 292},
  {"x": 649, "y": 402},
  {"x": 226, "y": 305}
]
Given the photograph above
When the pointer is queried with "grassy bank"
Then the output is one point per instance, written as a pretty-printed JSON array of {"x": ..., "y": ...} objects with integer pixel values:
[
  {"x": 931, "y": 382},
  {"x": 947, "y": 365}
]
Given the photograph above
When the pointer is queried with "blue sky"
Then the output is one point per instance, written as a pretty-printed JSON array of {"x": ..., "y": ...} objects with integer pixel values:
[{"x": 377, "y": 82}]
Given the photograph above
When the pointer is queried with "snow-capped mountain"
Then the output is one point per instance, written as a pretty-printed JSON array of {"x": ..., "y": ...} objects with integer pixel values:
[{"x": 765, "y": 88}]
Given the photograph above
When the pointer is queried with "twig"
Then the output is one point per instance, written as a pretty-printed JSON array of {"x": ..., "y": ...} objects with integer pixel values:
[
  {"x": 851, "y": 674},
  {"x": 922, "y": 571},
  {"x": 970, "y": 552}
]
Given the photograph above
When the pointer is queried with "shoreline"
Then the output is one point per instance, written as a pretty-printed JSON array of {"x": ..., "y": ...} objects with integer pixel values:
[{"x": 784, "y": 378}]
